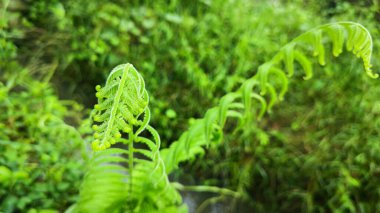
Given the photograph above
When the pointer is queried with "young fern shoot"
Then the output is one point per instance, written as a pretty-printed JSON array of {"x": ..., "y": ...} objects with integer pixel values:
[
  {"x": 131, "y": 179},
  {"x": 120, "y": 103}
]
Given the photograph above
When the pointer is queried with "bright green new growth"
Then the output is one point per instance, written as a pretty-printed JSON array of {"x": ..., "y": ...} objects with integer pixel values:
[
  {"x": 131, "y": 179},
  {"x": 120, "y": 103},
  {"x": 135, "y": 179}
]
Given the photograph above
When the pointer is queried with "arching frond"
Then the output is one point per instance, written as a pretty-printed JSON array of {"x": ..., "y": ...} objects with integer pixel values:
[{"x": 268, "y": 86}]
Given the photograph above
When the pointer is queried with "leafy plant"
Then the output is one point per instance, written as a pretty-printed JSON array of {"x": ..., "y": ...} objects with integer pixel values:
[{"x": 135, "y": 179}]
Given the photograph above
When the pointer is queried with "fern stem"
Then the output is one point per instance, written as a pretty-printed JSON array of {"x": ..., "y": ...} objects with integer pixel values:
[
  {"x": 208, "y": 202},
  {"x": 214, "y": 189},
  {"x": 130, "y": 160}
]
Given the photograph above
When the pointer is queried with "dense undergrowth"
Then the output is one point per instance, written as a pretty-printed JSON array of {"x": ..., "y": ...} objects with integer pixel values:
[{"x": 316, "y": 151}]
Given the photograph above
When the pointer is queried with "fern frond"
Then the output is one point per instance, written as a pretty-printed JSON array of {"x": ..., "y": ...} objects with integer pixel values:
[
  {"x": 270, "y": 79},
  {"x": 133, "y": 179}
]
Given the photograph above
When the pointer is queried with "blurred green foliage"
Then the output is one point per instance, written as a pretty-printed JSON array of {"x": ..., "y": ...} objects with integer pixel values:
[
  {"x": 315, "y": 152},
  {"x": 41, "y": 161}
]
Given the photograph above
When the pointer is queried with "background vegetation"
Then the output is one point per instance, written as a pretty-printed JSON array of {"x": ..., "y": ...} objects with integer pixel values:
[{"x": 317, "y": 151}]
